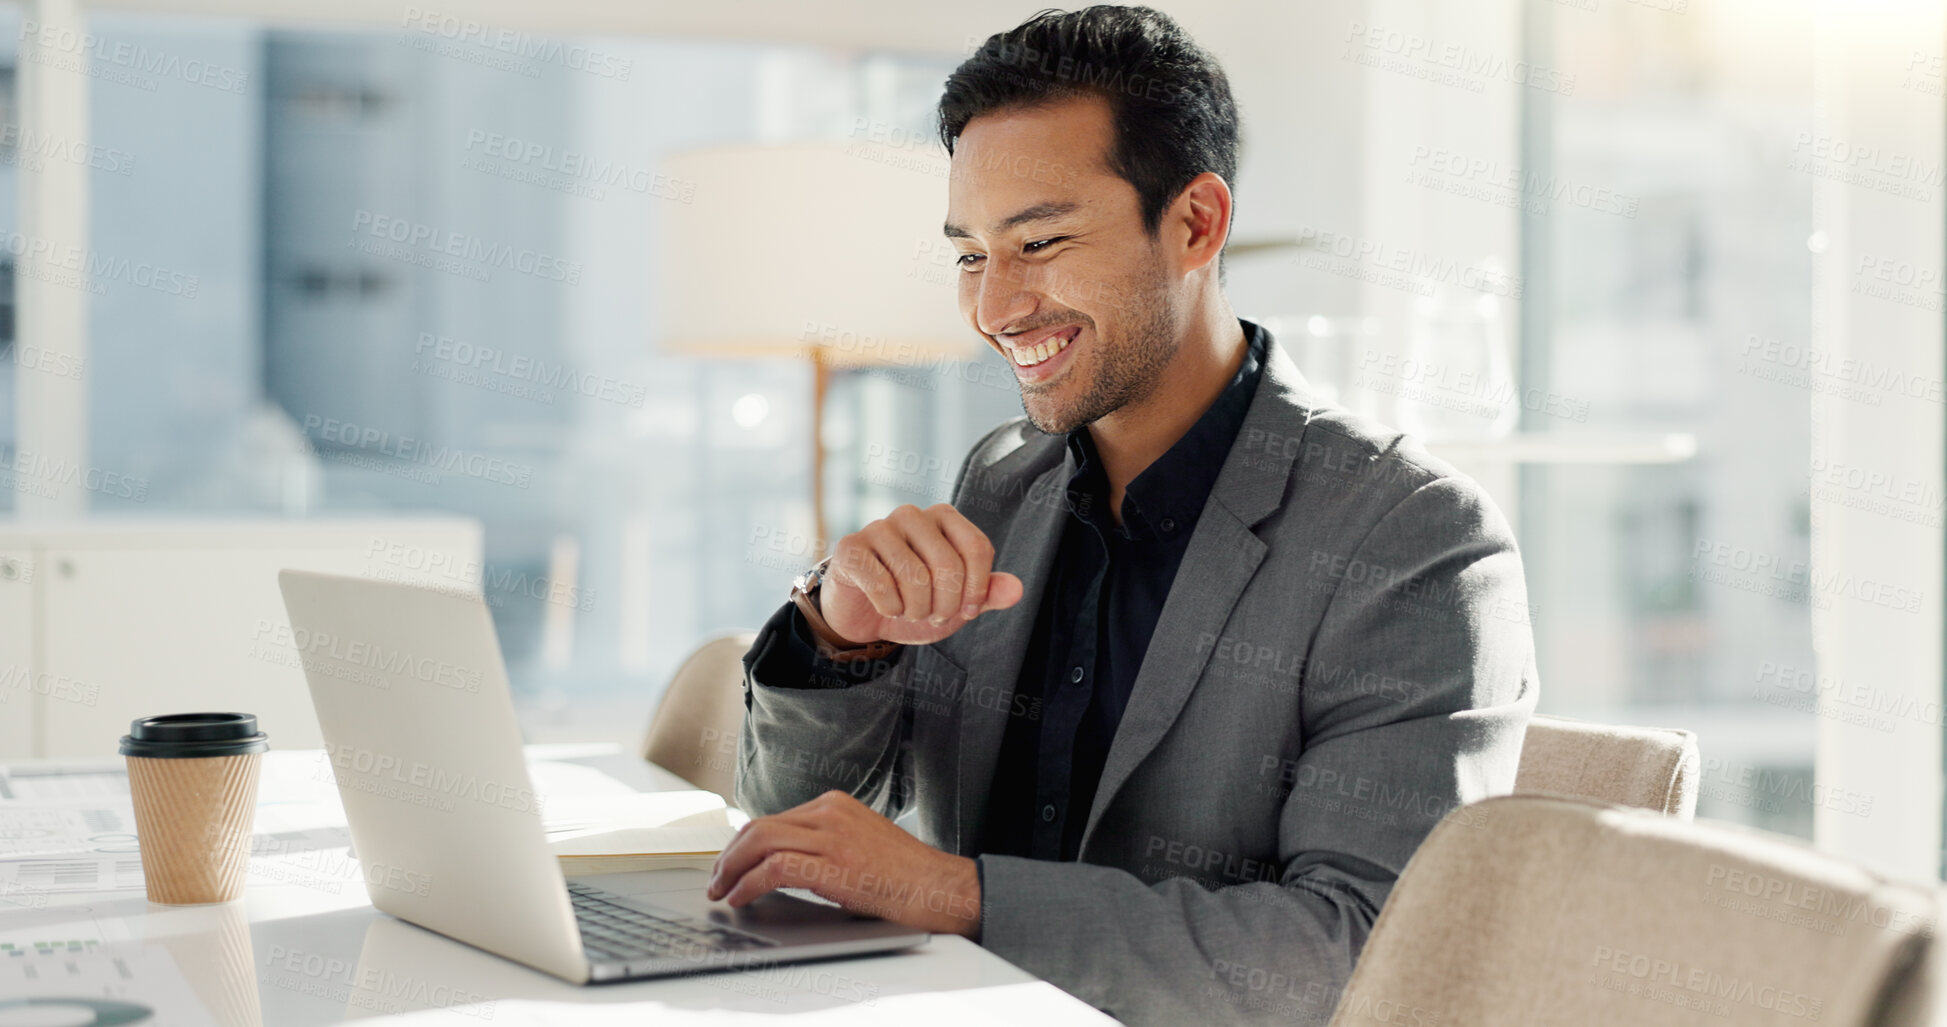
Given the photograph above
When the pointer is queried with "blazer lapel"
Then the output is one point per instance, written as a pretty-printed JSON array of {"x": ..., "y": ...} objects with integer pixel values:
[
  {"x": 1223, "y": 554},
  {"x": 1000, "y": 643}
]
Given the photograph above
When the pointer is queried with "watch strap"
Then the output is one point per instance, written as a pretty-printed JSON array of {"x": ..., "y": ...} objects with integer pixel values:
[{"x": 830, "y": 644}]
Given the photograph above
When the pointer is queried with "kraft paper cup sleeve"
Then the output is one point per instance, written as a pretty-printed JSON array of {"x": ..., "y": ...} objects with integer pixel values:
[{"x": 192, "y": 823}]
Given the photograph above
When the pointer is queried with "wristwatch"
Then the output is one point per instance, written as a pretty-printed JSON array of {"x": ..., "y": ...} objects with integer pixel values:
[{"x": 831, "y": 645}]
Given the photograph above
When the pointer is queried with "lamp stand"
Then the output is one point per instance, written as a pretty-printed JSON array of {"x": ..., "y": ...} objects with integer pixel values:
[{"x": 821, "y": 383}]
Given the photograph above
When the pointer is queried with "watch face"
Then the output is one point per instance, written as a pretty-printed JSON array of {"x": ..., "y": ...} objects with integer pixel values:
[{"x": 809, "y": 579}]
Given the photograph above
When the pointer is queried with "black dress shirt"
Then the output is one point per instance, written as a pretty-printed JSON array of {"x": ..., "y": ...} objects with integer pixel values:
[{"x": 1103, "y": 597}]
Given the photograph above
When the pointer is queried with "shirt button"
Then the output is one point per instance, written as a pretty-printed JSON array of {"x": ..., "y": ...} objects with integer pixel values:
[
  {"x": 1169, "y": 524},
  {"x": 1048, "y": 813},
  {"x": 1075, "y": 675}
]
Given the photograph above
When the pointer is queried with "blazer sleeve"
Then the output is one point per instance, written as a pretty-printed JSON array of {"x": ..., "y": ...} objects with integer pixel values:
[
  {"x": 810, "y": 728},
  {"x": 1420, "y": 679}
]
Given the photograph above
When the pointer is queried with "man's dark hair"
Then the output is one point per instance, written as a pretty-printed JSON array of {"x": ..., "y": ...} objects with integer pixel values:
[{"x": 1174, "y": 116}]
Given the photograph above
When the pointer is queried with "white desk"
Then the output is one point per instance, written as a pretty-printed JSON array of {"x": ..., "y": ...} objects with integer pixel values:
[{"x": 304, "y": 946}]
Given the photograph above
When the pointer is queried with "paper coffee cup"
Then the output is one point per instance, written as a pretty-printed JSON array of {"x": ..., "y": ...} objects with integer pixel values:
[{"x": 193, "y": 777}]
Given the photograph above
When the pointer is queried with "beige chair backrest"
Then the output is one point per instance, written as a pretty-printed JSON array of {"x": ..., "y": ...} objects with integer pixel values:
[
  {"x": 1545, "y": 911},
  {"x": 693, "y": 733},
  {"x": 1650, "y": 767}
]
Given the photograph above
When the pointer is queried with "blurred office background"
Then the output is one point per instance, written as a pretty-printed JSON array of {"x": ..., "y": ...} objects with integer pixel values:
[{"x": 1571, "y": 244}]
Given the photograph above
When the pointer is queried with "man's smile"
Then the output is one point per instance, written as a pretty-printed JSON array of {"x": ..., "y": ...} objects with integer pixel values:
[{"x": 1036, "y": 356}]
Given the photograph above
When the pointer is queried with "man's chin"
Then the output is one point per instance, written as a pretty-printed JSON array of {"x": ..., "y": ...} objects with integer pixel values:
[
  {"x": 1051, "y": 418},
  {"x": 1049, "y": 427}
]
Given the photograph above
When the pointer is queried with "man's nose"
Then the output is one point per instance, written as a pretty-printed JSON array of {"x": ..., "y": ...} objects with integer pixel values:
[{"x": 1004, "y": 295}]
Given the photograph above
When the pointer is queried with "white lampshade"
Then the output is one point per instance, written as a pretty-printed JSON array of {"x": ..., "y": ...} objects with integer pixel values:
[{"x": 828, "y": 250}]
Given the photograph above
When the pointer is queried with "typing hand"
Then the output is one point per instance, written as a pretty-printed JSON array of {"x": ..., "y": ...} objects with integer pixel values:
[
  {"x": 913, "y": 577},
  {"x": 840, "y": 849}
]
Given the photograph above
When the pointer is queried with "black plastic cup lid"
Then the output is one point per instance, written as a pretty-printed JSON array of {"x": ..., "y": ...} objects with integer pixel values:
[{"x": 194, "y": 735}]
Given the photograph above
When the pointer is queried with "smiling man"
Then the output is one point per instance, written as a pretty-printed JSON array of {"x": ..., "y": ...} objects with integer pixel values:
[{"x": 1194, "y": 660}]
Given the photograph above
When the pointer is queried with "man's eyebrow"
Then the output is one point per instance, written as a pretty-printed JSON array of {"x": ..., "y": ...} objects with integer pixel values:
[{"x": 1038, "y": 212}]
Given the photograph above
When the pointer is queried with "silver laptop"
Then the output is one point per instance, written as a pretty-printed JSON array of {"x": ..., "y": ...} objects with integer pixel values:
[{"x": 420, "y": 733}]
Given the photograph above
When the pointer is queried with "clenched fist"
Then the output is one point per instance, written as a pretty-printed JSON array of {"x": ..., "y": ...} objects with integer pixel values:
[{"x": 913, "y": 577}]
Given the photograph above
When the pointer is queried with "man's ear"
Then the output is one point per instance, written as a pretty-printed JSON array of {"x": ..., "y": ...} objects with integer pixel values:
[{"x": 1197, "y": 225}]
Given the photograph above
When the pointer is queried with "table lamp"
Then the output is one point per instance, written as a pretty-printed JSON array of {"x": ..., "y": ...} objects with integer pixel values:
[{"x": 827, "y": 252}]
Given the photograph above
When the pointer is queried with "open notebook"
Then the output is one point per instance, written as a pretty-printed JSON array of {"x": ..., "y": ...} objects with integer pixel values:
[{"x": 613, "y": 834}]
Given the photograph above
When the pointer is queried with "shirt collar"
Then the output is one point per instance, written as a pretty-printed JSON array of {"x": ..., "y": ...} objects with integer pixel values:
[{"x": 1166, "y": 499}]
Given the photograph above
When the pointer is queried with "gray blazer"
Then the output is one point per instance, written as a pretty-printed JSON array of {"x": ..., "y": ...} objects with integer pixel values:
[{"x": 1343, "y": 659}]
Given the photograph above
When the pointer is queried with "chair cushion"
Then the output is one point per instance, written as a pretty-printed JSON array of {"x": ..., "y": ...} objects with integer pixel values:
[
  {"x": 1540, "y": 911},
  {"x": 1654, "y": 768},
  {"x": 694, "y": 730}
]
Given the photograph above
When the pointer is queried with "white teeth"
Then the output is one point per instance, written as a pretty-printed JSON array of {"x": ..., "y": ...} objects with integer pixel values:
[{"x": 1032, "y": 355}]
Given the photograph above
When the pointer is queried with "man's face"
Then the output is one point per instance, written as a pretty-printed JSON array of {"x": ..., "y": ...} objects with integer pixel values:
[{"x": 1056, "y": 271}]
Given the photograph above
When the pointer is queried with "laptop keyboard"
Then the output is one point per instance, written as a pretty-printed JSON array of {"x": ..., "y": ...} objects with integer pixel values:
[{"x": 612, "y": 932}]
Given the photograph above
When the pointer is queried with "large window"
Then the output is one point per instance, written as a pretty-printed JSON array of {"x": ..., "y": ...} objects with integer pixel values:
[
  {"x": 411, "y": 270},
  {"x": 17, "y": 152},
  {"x": 1679, "y": 593}
]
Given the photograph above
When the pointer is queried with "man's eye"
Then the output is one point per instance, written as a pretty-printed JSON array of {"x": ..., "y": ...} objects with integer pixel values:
[
  {"x": 962, "y": 260},
  {"x": 1036, "y": 246}
]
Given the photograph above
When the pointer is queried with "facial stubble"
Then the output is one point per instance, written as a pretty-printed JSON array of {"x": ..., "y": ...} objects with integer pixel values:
[{"x": 1129, "y": 368}]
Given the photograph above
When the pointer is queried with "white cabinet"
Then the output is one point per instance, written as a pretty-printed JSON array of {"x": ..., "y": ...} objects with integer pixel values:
[{"x": 128, "y": 620}]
